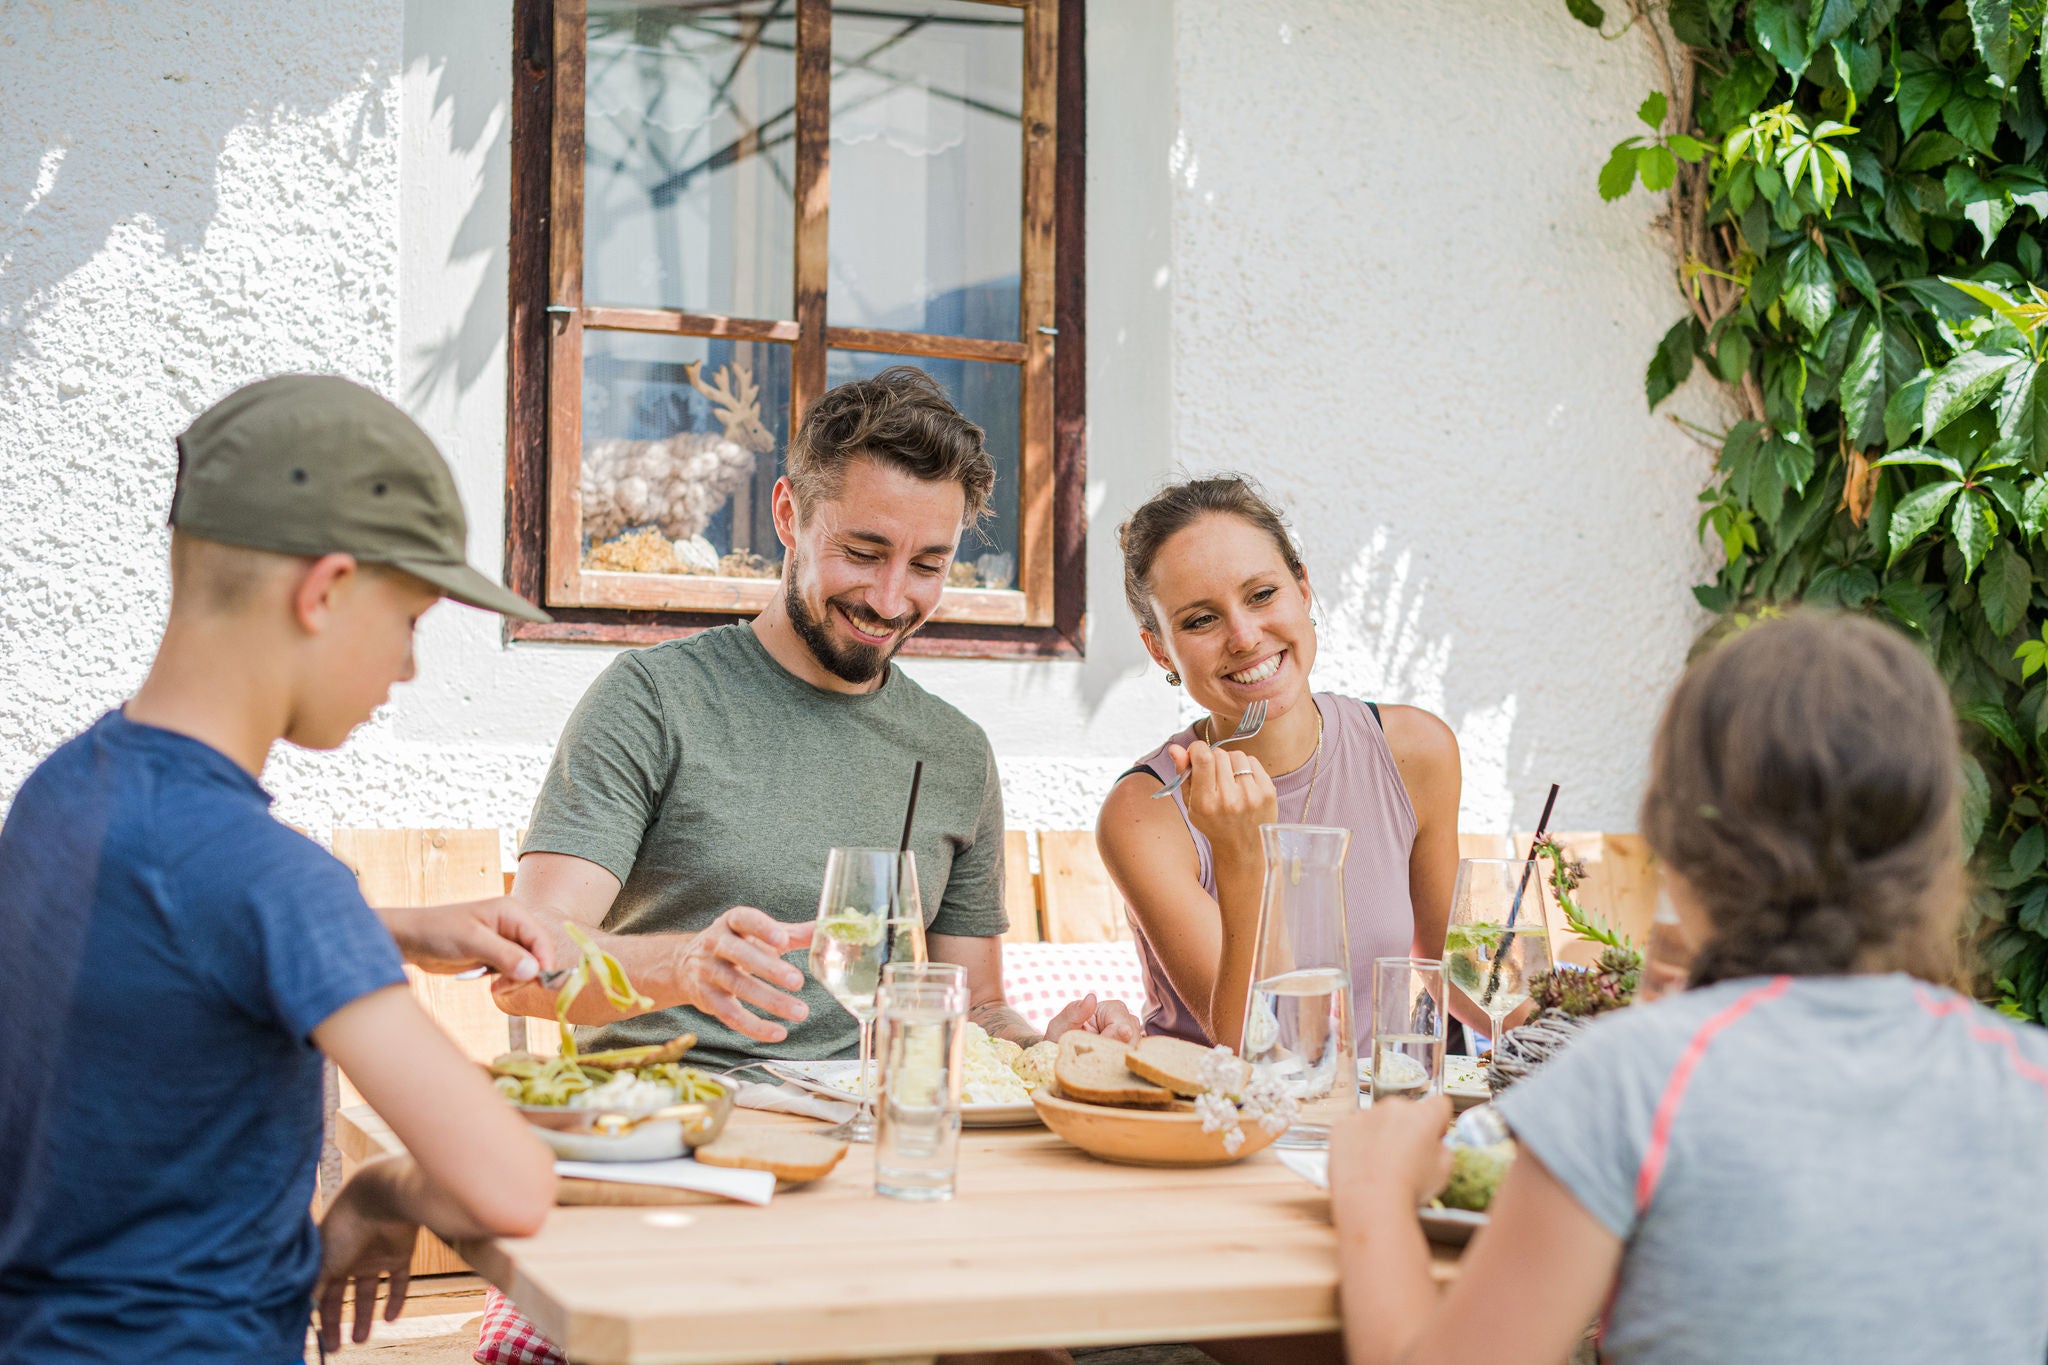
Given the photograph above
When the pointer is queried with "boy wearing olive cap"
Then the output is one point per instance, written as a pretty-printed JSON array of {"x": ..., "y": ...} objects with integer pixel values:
[{"x": 178, "y": 960}]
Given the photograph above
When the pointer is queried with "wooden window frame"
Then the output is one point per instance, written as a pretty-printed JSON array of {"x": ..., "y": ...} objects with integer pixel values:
[{"x": 548, "y": 316}]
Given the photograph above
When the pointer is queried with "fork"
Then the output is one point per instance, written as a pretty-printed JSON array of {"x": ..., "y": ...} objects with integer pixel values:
[
  {"x": 1253, "y": 719},
  {"x": 548, "y": 979}
]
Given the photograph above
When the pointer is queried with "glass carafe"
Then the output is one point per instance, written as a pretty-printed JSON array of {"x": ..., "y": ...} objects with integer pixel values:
[{"x": 1298, "y": 1023}]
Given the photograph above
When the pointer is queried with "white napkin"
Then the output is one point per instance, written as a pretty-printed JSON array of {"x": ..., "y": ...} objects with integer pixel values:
[
  {"x": 789, "y": 1098},
  {"x": 1314, "y": 1167},
  {"x": 748, "y": 1187}
]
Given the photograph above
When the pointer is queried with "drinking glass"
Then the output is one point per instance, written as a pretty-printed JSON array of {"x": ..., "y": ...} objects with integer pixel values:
[
  {"x": 1297, "y": 1027},
  {"x": 1499, "y": 934},
  {"x": 869, "y": 915},
  {"x": 1407, "y": 1028},
  {"x": 923, "y": 1041}
]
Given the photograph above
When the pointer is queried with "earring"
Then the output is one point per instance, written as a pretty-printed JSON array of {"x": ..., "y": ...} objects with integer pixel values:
[{"x": 1172, "y": 678}]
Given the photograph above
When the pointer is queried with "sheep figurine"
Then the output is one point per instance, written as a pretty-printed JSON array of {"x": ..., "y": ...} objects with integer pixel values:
[{"x": 677, "y": 483}]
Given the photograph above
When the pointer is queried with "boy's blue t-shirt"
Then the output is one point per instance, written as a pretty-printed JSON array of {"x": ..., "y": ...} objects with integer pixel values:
[{"x": 167, "y": 949}]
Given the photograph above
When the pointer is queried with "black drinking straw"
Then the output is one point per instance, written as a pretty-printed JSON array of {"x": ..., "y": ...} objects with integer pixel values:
[
  {"x": 1515, "y": 907},
  {"x": 916, "y": 780}
]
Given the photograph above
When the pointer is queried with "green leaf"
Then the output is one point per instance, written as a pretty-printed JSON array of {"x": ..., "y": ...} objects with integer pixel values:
[
  {"x": 1975, "y": 121},
  {"x": 1849, "y": 260},
  {"x": 1731, "y": 357},
  {"x": 1975, "y": 525},
  {"x": 1920, "y": 455},
  {"x": 1793, "y": 461},
  {"x": 1686, "y": 148},
  {"x": 1994, "y": 720},
  {"x": 2034, "y": 508},
  {"x": 1859, "y": 65},
  {"x": 1618, "y": 176},
  {"x": 1910, "y": 603},
  {"x": 1902, "y": 410},
  {"x": 1929, "y": 150},
  {"x": 1963, "y": 383},
  {"x": 1779, "y": 28},
  {"x": 1653, "y": 109},
  {"x": 2023, "y": 411},
  {"x": 1586, "y": 12},
  {"x": 1917, "y": 512},
  {"x": 1830, "y": 20},
  {"x": 1923, "y": 89},
  {"x": 1692, "y": 23},
  {"x": 1863, "y": 385},
  {"x": 2007, "y": 588},
  {"x": 2003, "y": 44},
  {"x": 1738, "y": 456},
  {"x": 2028, "y": 850},
  {"x": 1657, "y": 167},
  {"x": 1671, "y": 364},
  {"x": 1809, "y": 287},
  {"x": 1976, "y": 802}
]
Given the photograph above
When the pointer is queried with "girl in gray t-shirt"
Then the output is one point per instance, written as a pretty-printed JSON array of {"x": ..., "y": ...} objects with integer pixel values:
[{"x": 1821, "y": 1152}]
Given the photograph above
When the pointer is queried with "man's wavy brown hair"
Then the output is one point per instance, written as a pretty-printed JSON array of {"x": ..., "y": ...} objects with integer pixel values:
[{"x": 1804, "y": 784}]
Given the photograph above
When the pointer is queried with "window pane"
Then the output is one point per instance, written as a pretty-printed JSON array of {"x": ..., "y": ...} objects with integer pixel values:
[
  {"x": 990, "y": 396},
  {"x": 927, "y": 167},
  {"x": 683, "y": 439},
  {"x": 688, "y": 155}
]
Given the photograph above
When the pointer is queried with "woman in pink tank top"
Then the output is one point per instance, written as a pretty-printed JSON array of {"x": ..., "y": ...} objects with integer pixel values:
[{"x": 1223, "y": 606}]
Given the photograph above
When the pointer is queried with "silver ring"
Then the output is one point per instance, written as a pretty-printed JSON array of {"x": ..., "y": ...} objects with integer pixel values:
[{"x": 1242, "y": 772}]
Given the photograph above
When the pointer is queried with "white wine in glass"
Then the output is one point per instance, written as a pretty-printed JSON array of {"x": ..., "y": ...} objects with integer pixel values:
[
  {"x": 869, "y": 915},
  {"x": 1498, "y": 937}
]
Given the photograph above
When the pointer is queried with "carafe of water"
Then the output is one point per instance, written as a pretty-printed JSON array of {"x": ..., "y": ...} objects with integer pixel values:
[{"x": 1298, "y": 1028}]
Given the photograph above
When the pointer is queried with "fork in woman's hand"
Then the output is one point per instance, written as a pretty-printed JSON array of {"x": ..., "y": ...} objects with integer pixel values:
[{"x": 1253, "y": 719}]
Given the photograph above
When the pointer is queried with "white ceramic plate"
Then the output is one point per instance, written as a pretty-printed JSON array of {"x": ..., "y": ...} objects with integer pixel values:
[
  {"x": 833, "y": 1078},
  {"x": 1448, "y": 1227}
]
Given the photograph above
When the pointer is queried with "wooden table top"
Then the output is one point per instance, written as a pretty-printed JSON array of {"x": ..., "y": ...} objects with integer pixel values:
[{"x": 1041, "y": 1246}]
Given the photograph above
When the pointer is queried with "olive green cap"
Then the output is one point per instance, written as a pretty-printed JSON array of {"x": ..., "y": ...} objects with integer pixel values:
[{"x": 312, "y": 464}]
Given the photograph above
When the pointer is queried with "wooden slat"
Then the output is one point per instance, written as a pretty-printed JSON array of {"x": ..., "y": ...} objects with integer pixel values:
[
  {"x": 409, "y": 867},
  {"x": 1070, "y": 354},
  {"x": 1039, "y": 307},
  {"x": 695, "y": 592},
  {"x": 1020, "y": 888},
  {"x": 674, "y": 323},
  {"x": 1081, "y": 903},
  {"x": 925, "y": 344},
  {"x": 565, "y": 288},
  {"x": 813, "y": 200},
  {"x": 1245, "y": 1249}
]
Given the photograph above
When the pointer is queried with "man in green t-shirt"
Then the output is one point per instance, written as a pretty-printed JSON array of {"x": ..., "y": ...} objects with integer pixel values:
[{"x": 705, "y": 777}]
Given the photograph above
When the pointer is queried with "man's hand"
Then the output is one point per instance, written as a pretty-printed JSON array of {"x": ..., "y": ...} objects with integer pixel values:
[
  {"x": 1396, "y": 1148},
  {"x": 1110, "y": 1018},
  {"x": 495, "y": 933},
  {"x": 737, "y": 962},
  {"x": 362, "y": 1240}
]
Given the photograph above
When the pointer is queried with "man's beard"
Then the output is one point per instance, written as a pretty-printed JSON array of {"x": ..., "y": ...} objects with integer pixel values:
[{"x": 856, "y": 662}]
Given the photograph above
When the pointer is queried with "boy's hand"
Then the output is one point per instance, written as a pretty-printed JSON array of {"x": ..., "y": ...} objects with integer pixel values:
[
  {"x": 1110, "y": 1018},
  {"x": 495, "y": 933},
  {"x": 362, "y": 1240},
  {"x": 1396, "y": 1147}
]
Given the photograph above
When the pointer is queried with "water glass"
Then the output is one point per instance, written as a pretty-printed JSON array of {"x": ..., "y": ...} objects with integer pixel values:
[
  {"x": 922, "y": 1042},
  {"x": 1298, "y": 1021},
  {"x": 869, "y": 915},
  {"x": 1407, "y": 1028}
]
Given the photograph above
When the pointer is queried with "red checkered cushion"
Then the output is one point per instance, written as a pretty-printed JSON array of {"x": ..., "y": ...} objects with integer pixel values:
[
  {"x": 507, "y": 1338},
  {"x": 1040, "y": 979}
]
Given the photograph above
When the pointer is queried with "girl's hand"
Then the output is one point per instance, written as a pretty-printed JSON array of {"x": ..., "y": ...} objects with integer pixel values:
[
  {"x": 1229, "y": 796},
  {"x": 363, "y": 1239},
  {"x": 1395, "y": 1148}
]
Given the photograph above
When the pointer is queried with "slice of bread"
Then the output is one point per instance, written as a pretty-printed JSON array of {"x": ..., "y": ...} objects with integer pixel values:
[
  {"x": 1090, "y": 1068},
  {"x": 791, "y": 1153},
  {"x": 1174, "y": 1063}
]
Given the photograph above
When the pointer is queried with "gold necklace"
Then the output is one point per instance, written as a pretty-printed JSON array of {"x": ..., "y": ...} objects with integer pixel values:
[{"x": 1316, "y": 758}]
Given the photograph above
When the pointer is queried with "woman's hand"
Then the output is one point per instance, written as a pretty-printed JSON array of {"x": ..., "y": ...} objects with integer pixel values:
[
  {"x": 1229, "y": 796},
  {"x": 1396, "y": 1148}
]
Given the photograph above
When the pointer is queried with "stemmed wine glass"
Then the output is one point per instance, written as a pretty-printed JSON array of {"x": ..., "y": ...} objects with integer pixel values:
[
  {"x": 1499, "y": 936},
  {"x": 869, "y": 915}
]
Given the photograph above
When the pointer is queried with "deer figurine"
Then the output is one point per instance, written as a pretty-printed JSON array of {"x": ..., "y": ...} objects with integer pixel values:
[{"x": 678, "y": 482}]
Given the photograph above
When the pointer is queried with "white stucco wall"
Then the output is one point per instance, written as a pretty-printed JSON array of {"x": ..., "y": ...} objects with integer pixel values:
[{"x": 1353, "y": 248}]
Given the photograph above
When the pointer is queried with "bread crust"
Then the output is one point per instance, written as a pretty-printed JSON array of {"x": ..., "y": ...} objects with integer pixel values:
[
  {"x": 789, "y": 1153},
  {"x": 1174, "y": 1063},
  {"x": 1092, "y": 1069}
]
